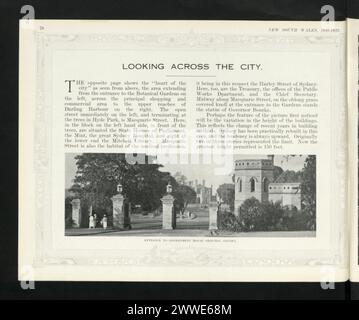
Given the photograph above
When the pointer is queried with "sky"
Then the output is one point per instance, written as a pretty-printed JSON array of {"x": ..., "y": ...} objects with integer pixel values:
[{"x": 215, "y": 171}]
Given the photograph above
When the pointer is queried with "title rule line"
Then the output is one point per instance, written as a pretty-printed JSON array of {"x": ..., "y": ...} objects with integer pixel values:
[{"x": 193, "y": 76}]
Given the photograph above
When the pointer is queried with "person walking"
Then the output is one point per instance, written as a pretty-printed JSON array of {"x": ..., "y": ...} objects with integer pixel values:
[
  {"x": 92, "y": 222},
  {"x": 104, "y": 222},
  {"x": 95, "y": 220}
]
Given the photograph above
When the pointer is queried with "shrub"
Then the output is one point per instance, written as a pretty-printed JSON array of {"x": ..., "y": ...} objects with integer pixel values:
[
  {"x": 69, "y": 222},
  {"x": 251, "y": 215},
  {"x": 273, "y": 216},
  {"x": 68, "y": 212},
  {"x": 298, "y": 220},
  {"x": 228, "y": 221},
  {"x": 267, "y": 216}
]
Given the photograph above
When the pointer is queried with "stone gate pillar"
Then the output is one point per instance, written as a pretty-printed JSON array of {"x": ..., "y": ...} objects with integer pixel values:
[
  {"x": 213, "y": 216},
  {"x": 168, "y": 213},
  {"x": 76, "y": 212},
  {"x": 121, "y": 212}
]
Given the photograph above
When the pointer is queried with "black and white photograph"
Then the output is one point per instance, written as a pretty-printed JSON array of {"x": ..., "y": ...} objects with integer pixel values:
[{"x": 115, "y": 194}]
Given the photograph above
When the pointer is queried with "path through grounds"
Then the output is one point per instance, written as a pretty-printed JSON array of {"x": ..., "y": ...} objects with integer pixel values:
[{"x": 143, "y": 226}]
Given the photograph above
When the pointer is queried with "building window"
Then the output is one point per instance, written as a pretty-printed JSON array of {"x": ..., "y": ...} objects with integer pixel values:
[
  {"x": 252, "y": 185},
  {"x": 265, "y": 185},
  {"x": 240, "y": 185}
]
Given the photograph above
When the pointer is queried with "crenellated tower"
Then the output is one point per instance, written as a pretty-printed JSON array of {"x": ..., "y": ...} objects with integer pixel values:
[{"x": 252, "y": 179}]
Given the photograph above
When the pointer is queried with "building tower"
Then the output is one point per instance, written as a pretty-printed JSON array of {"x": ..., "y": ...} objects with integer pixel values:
[{"x": 252, "y": 178}]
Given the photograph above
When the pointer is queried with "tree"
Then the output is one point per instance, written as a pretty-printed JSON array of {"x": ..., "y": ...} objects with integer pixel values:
[
  {"x": 251, "y": 215},
  {"x": 277, "y": 172},
  {"x": 308, "y": 189},
  {"x": 68, "y": 212},
  {"x": 272, "y": 216},
  {"x": 289, "y": 176},
  {"x": 180, "y": 178},
  {"x": 226, "y": 192},
  {"x": 98, "y": 175},
  {"x": 184, "y": 195}
]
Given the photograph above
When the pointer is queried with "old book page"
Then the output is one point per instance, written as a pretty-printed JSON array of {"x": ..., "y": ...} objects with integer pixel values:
[{"x": 183, "y": 151}]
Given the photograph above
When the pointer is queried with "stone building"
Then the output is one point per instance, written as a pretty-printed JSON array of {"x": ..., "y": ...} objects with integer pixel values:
[
  {"x": 204, "y": 193},
  {"x": 287, "y": 193},
  {"x": 255, "y": 178}
]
